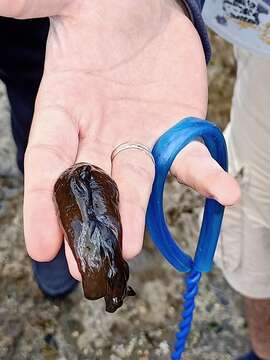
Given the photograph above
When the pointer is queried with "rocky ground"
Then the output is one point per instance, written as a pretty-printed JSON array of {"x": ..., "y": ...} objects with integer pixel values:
[{"x": 32, "y": 327}]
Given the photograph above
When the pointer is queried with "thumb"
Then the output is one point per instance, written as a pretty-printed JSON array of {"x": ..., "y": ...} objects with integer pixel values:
[{"x": 195, "y": 167}]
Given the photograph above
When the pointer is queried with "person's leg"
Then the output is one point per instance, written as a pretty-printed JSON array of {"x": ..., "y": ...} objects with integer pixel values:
[
  {"x": 258, "y": 318},
  {"x": 244, "y": 247},
  {"x": 21, "y": 68}
]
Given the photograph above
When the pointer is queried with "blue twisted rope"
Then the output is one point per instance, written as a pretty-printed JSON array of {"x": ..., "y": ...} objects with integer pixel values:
[{"x": 192, "y": 287}]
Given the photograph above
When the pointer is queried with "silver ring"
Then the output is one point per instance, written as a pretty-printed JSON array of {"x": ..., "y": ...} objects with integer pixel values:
[{"x": 131, "y": 146}]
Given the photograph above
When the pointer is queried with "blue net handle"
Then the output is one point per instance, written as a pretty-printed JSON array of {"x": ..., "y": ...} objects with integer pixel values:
[{"x": 165, "y": 150}]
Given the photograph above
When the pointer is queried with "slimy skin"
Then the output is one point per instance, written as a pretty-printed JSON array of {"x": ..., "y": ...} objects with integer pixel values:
[{"x": 87, "y": 200}]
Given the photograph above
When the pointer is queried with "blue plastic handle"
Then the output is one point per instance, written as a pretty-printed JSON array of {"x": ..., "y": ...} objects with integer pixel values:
[{"x": 165, "y": 150}]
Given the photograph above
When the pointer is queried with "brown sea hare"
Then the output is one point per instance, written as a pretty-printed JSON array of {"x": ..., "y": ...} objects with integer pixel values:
[{"x": 87, "y": 201}]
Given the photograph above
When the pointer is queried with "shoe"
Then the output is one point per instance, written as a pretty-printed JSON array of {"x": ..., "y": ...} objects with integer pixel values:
[
  {"x": 53, "y": 277},
  {"x": 250, "y": 356}
]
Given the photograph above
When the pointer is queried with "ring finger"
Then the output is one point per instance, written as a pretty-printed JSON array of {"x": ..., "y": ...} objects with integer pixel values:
[{"x": 133, "y": 171}]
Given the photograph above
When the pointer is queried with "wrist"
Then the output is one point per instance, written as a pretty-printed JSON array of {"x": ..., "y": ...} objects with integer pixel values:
[{"x": 129, "y": 14}]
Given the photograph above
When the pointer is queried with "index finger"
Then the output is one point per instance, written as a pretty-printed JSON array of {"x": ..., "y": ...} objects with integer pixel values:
[{"x": 52, "y": 148}]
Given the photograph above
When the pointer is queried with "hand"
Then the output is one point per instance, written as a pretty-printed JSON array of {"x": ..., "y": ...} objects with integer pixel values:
[{"x": 121, "y": 72}]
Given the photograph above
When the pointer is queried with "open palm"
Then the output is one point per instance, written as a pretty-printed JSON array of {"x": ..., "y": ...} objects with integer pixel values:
[{"x": 114, "y": 74}]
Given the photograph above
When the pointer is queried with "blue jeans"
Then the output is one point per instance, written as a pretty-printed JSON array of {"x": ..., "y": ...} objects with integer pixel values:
[{"x": 23, "y": 44}]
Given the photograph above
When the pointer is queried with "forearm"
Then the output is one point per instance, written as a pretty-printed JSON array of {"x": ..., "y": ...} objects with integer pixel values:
[{"x": 23, "y": 9}]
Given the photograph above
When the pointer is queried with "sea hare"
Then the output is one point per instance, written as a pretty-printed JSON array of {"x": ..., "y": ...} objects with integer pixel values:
[{"x": 86, "y": 200}]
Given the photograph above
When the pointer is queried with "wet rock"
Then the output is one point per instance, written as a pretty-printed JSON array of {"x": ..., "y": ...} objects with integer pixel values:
[{"x": 32, "y": 327}]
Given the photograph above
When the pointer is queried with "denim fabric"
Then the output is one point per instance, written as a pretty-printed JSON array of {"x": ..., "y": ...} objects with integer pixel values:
[
  {"x": 250, "y": 356},
  {"x": 21, "y": 67},
  {"x": 23, "y": 45}
]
